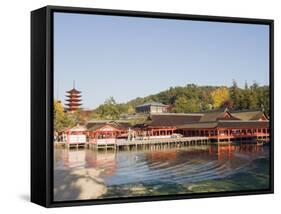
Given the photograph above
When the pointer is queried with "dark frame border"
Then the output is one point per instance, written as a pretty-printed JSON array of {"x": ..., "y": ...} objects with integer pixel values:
[{"x": 42, "y": 103}]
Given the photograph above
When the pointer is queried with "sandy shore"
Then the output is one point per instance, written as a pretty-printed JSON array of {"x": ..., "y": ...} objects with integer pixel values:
[{"x": 78, "y": 184}]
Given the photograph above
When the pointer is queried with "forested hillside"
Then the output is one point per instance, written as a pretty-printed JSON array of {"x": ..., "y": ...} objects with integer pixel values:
[
  {"x": 185, "y": 99},
  {"x": 192, "y": 98}
]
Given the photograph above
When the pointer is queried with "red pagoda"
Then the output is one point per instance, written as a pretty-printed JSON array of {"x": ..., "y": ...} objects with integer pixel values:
[{"x": 74, "y": 99}]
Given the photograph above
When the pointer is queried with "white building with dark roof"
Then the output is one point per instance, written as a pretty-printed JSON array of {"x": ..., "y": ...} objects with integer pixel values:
[{"x": 151, "y": 108}]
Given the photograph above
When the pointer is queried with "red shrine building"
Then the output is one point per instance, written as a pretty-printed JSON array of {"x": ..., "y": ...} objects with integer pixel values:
[
  {"x": 164, "y": 125},
  {"x": 223, "y": 125},
  {"x": 217, "y": 126},
  {"x": 73, "y": 100},
  {"x": 107, "y": 131}
]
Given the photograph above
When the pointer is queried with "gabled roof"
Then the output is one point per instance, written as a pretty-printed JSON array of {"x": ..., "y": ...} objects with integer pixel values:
[
  {"x": 250, "y": 115},
  {"x": 77, "y": 128},
  {"x": 222, "y": 114},
  {"x": 95, "y": 125},
  {"x": 99, "y": 126}
]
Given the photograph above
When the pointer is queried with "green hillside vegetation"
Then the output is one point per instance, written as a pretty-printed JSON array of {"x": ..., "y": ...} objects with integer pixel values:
[
  {"x": 192, "y": 98},
  {"x": 186, "y": 99}
]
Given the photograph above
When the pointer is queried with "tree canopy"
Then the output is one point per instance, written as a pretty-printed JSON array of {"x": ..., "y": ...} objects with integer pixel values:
[
  {"x": 189, "y": 98},
  {"x": 193, "y": 98},
  {"x": 64, "y": 119}
]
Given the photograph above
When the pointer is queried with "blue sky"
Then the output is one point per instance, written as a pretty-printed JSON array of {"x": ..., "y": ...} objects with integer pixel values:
[{"x": 128, "y": 57}]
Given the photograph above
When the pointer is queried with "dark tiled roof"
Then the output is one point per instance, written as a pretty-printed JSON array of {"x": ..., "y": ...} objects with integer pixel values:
[
  {"x": 226, "y": 124},
  {"x": 172, "y": 119},
  {"x": 91, "y": 125},
  {"x": 243, "y": 124},
  {"x": 198, "y": 125}
]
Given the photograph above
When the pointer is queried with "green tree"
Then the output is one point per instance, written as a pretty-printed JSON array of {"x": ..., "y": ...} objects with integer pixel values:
[
  {"x": 253, "y": 100},
  {"x": 71, "y": 119},
  {"x": 185, "y": 105},
  {"x": 193, "y": 98},
  {"x": 109, "y": 110},
  {"x": 59, "y": 116},
  {"x": 235, "y": 95},
  {"x": 246, "y": 97},
  {"x": 263, "y": 94}
]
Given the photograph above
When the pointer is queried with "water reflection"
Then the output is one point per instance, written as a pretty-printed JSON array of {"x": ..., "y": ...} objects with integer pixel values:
[
  {"x": 105, "y": 160},
  {"x": 184, "y": 165}
]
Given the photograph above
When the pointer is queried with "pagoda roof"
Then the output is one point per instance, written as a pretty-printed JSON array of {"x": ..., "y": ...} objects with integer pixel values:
[
  {"x": 73, "y": 108},
  {"x": 73, "y": 95},
  {"x": 73, "y": 104},
  {"x": 74, "y": 100},
  {"x": 73, "y": 91}
]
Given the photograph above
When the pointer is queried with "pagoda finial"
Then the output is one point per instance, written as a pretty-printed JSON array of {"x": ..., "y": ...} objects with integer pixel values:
[{"x": 73, "y": 83}]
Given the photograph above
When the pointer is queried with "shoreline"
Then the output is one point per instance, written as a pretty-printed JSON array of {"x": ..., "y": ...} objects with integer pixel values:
[{"x": 78, "y": 184}]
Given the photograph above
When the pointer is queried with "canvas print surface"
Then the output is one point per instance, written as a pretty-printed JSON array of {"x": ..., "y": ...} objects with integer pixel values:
[{"x": 151, "y": 107}]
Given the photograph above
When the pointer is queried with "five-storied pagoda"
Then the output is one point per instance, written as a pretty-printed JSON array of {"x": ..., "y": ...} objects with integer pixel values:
[{"x": 73, "y": 99}]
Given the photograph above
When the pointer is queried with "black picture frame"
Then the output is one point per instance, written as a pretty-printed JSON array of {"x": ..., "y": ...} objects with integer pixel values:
[{"x": 42, "y": 103}]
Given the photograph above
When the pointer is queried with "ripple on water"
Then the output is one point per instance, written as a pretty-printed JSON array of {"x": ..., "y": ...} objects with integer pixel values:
[
  {"x": 182, "y": 169},
  {"x": 170, "y": 166}
]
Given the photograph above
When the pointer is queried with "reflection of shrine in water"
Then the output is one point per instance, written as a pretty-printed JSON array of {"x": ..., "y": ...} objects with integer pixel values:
[
  {"x": 227, "y": 150},
  {"x": 204, "y": 162},
  {"x": 203, "y": 153},
  {"x": 75, "y": 158},
  {"x": 173, "y": 157},
  {"x": 112, "y": 163},
  {"x": 168, "y": 165},
  {"x": 102, "y": 159}
]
